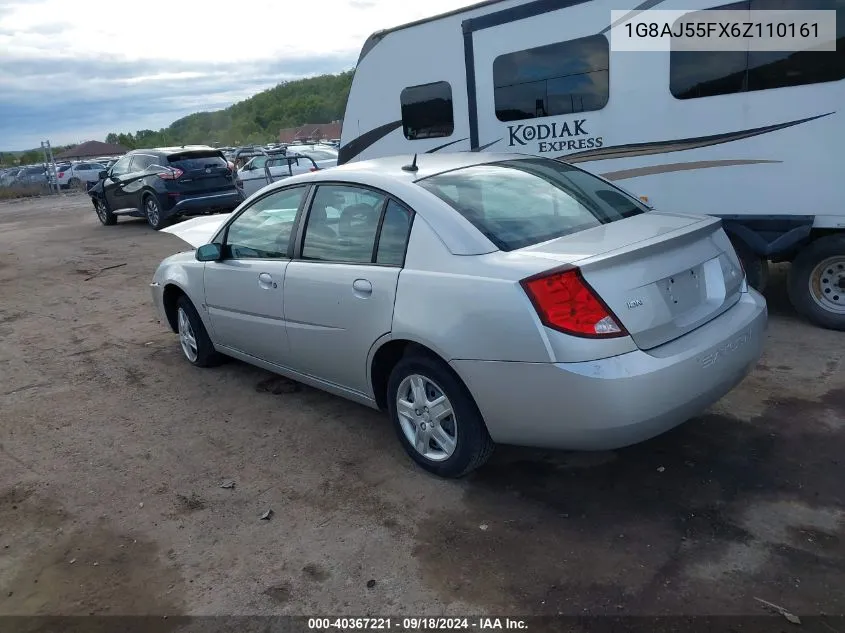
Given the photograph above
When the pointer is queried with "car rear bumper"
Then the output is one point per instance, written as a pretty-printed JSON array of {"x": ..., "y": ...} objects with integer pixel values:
[
  {"x": 622, "y": 400},
  {"x": 199, "y": 203}
]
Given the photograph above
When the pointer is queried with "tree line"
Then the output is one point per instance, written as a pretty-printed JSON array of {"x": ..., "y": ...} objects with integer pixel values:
[
  {"x": 258, "y": 119},
  {"x": 320, "y": 99}
]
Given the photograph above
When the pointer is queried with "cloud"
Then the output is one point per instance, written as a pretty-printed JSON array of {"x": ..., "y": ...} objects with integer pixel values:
[{"x": 71, "y": 76}]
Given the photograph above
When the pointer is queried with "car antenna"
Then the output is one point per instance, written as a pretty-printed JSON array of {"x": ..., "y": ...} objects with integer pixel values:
[{"x": 413, "y": 166}]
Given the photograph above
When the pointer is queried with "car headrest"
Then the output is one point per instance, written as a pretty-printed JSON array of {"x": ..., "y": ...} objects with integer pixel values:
[{"x": 356, "y": 217}]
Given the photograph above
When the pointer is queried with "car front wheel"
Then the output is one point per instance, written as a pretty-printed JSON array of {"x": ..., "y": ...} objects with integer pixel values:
[
  {"x": 104, "y": 214},
  {"x": 436, "y": 418},
  {"x": 193, "y": 337}
]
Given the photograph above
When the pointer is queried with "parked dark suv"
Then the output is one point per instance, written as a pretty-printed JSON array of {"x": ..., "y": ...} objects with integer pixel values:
[{"x": 163, "y": 183}]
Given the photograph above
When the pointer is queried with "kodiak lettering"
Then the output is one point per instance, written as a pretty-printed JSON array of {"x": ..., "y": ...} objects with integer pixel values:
[{"x": 524, "y": 134}]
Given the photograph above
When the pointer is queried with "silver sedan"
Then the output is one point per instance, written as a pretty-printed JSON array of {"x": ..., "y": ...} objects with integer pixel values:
[{"x": 477, "y": 298}]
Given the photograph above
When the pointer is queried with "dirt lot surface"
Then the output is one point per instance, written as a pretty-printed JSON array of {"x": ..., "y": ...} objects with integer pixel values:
[{"x": 113, "y": 450}]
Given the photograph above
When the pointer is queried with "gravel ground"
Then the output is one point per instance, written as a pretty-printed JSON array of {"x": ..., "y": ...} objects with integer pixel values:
[{"x": 113, "y": 450}]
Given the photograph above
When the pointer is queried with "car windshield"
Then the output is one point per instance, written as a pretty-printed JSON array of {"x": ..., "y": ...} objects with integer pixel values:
[{"x": 518, "y": 203}]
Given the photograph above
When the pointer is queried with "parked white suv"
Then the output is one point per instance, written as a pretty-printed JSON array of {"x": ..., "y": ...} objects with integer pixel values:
[{"x": 79, "y": 174}]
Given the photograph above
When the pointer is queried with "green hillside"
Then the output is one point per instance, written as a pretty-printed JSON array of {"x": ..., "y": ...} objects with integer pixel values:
[{"x": 255, "y": 120}]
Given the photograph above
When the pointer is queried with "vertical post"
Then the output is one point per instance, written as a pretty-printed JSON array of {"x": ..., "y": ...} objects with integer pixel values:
[
  {"x": 53, "y": 164},
  {"x": 52, "y": 174}
]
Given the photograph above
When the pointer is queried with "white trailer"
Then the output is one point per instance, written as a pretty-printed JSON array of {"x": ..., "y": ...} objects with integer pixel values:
[{"x": 753, "y": 138}]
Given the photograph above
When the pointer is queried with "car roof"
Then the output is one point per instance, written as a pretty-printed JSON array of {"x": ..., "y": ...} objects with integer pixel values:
[
  {"x": 175, "y": 150},
  {"x": 427, "y": 164}
]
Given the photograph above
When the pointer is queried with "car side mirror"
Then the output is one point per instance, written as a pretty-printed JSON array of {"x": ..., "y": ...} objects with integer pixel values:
[
  {"x": 209, "y": 253},
  {"x": 103, "y": 175}
]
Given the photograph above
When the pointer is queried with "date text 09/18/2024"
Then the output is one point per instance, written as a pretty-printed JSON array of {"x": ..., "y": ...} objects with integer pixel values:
[{"x": 414, "y": 624}]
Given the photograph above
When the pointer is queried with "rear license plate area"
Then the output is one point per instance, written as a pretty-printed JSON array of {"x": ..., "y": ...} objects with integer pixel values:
[{"x": 684, "y": 290}]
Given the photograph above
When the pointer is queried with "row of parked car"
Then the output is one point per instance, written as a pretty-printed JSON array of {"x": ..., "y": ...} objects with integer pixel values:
[
  {"x": 68, "y": 175},
  {"x": 161, "y": 184}
]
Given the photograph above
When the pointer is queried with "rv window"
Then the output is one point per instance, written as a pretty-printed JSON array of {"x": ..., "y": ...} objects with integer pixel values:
[
  {"x": 518, "y": 203},
  {"x": 427, "y": 111},
  {"x": 550, "y": 80},
  {"x": 695, "y": 74}
]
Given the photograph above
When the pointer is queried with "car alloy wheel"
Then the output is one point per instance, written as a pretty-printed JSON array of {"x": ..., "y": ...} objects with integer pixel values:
[
  {"x": 427, "y": 418},
  {"x": 187, "y": 338},
  {"x": 151, "y": 207},
  {"x": 101, "y": 211}
]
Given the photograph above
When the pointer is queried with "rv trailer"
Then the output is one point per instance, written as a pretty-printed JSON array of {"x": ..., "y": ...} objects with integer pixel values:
[{"x": 752, "y": 138}]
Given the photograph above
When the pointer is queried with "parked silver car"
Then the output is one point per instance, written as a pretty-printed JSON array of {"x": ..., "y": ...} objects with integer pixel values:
[{"x": 478, "y": 298}]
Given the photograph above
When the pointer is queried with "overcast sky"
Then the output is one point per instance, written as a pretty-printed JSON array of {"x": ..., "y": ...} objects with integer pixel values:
[{"x": 75, "y": 70}]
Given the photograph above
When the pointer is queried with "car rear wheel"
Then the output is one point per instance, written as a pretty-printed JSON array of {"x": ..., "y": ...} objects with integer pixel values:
[
  {"x": 193, "y": 337},
  {"x": 104, "y": 213},
  {"x": 152, "y": 211},
  {"x": 817, "y": 282},
  {"x": 435, "y": 417},
  {"x": 74, "y": 183}
]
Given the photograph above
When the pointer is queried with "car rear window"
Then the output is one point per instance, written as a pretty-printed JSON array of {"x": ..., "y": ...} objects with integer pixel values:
[
  {"x": 520, "y": 203},
  {"x": 197, "y": 160}
]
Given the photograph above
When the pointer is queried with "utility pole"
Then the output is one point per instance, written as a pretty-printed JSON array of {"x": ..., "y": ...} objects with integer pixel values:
[{"x": 53, "y": 176}]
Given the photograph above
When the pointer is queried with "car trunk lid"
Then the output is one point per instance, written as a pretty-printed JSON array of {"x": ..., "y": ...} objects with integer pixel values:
[
  {"x": 661, "y": 274},
  {"x": 197, "y": 231},
  {"x": 202, "y": 171}
]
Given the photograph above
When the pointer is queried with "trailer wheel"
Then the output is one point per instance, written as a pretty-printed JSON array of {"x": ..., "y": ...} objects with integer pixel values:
[
  {"x": 756, "y": 267},
  {"x": 817, "y": 282}
]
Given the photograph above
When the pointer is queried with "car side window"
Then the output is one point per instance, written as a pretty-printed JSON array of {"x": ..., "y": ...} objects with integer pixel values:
[
  {"x": 393, "y": 238},
  {"x": 342, "y": 224},
  {"x": 263, "y": 230},
  {"x": 122, "y": 166},
  {"x": 140, "y": 163}
]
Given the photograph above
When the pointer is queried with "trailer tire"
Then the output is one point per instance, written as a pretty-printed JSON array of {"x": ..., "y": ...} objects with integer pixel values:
[
  {"x": 816, "y": 282},
  {"x": 756, "y": 267}
]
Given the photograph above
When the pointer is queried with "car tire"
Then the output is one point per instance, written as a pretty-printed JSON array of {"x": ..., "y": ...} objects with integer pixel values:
[
  {"x": 152, "y": 211},
  {"x": 463, "y": 430},
  {"x": 816, "y": 282},
  {"x": 104, "y": 214},
  {"x": 74, "y": 183},
  {"x": 193, "y": 337},
  {"x": 756, "y": 267}
]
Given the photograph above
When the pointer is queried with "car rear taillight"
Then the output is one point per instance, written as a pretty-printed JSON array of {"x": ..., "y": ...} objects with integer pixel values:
[
  {"x": 174, "y": 173},
  {"x": 566, "y": 302},
  {"x": 314, "y": 169},
  {"x": 61, "y": 174}
]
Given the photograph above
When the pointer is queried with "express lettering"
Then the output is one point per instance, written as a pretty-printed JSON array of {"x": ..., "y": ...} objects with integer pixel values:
[{"x": 565, "y": 146}]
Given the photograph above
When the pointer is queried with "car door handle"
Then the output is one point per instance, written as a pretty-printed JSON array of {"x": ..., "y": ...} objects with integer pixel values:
[
  {"x": 265, "y": 280},
  {"x": 362, "y": 288}
]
